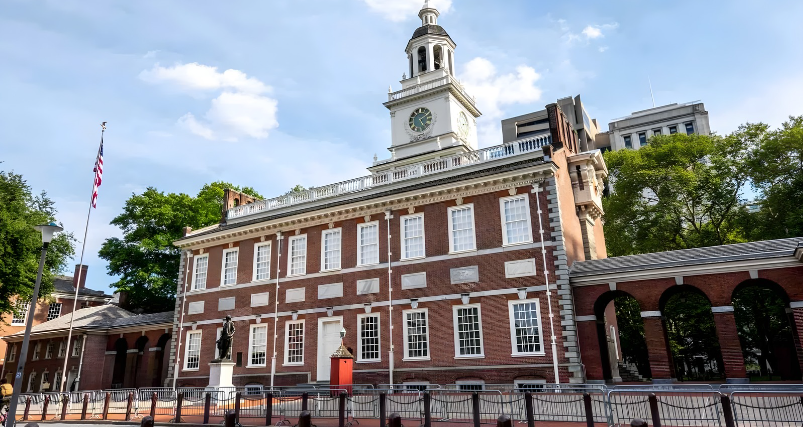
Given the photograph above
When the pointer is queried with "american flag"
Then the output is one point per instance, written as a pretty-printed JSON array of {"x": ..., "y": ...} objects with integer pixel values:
[{"x": 98, "y": 173}]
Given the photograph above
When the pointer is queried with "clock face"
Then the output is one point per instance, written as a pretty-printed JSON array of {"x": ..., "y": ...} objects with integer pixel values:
[
  {"x": 462, "y": 124},
  {"x": 420, "y": 119}
]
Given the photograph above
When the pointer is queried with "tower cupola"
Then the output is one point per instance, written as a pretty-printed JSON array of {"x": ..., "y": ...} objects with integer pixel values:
[{"x": 429, "y": 15}]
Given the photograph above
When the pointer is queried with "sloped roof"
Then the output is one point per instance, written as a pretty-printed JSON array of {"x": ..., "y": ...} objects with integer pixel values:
[
  {"x": 99, "y": 318},
  {"x": 766, "y": 249},
  {"x": 64, "y": 284}
]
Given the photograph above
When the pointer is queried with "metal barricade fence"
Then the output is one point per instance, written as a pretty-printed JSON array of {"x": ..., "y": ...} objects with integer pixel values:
[
  {"x": 408, "y": 404},
  {"x": 119, "y": 399},
  {"x": 678, "y": 407},
  {"x": 165, "y": 400},
  {"x": 767, "y": 408},
  {"x": 568, "y": 405}
]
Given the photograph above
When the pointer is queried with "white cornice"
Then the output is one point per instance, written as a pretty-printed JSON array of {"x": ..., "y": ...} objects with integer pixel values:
[
  {"x": 435, "y": 194},
  {"x": 691, "y": 270}
]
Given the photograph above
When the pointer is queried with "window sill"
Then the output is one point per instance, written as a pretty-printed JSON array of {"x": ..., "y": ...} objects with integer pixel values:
[
  {"x": 295, "y": 275},
  {"x": 464, "y": 251},
  {"x": 473, "y": 356},
  {"x": 293, "y": 364},
  {"x": 368, "y": 265},
  {"x": 331, "y": 270},
  {"x": 528, "y": 354},
  {"x": 415, "y": 359},
  {"x": 368, "y": 361},
  {"x": 228, "y": 285},
  {"x": 507, "y": 245},
  {"x": 255, "y": 366},
  {"x": 412, "y": 258},
  {"x": 261, "y": 281},
  {"x": 190, "y": 370}
]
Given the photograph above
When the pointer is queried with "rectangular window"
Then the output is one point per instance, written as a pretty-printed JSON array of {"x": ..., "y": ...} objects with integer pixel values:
[
  {"x": 330, "y": 249},
  {"x": 470, "y": 386},
  {"x": 35, "y": 355},
  {"x": 12, "y": 353},
  {"x": 531, "y": 386},
  {"x": 467, "y": 331},
  {"x": 368, "y": 345},
  {"x": 54, "y": 310},
  {"x": 525, "y": 327},
  {"x": 192, "y": 353},
  {"x": 76, "y": 348},
  {"x": 229, "y": 274},
  {"x": 412, "y": 231},
  {"x": 656, "y": 132},
  {"x": 49, "y": 350},
  {"x": 199, "y": 272},
  {"x": 62, "y": 349},
  {"x": 515, "y": 213},
  {"x": 416, "y": 334},
  {"x": 294, "y": 343},
  {"x": 297, "y": 261},
  {"x": 461, "y": 228},
  {"x": 21, "y": 314},
  {"x": 262, "y": 261},
  {"x": 642, "y": 138},
  {"x": 628, "y": 141},
  {"x": 258, "y": 346},
  {"x": 689, "y": 128},
  {"x": 368, "y": 243},
  {"x": 673, "y": 129}
]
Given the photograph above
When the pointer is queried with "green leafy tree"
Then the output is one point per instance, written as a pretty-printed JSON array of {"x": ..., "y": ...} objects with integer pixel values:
[
  {"x": 631, "y": 333},
  {"x": 145, "y": 258},
  {"x": 692, "y": 336},
  {"x": 20, "y": 244},
  {"x": 679, "y": 191},
  {"x": 775, "y": 167}
]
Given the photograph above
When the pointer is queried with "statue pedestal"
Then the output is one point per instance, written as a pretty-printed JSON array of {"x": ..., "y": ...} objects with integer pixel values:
[{"x": 220, "y": 373}]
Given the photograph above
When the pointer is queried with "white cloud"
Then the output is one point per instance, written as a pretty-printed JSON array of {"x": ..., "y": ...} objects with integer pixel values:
[
  {"x": 603, "y": 48},
  {"x": 495, "y": 91},
  {"x": 241, "y": 110},
  {"x": 150, "y": 54},
  {"x": 401, "y": 10},
  {"x": 590, "y": 32}
]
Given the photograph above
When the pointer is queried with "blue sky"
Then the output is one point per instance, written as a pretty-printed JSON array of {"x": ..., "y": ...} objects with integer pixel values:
[{"x": 276, "y": 93}]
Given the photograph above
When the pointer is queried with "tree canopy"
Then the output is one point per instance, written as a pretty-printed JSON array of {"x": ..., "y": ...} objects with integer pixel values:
[
  {"x": 145, "y": 258},
  {"x": 20, "y": 244}
]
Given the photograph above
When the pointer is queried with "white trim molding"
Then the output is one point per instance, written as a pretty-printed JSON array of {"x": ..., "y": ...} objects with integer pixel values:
[
  {"x": 722, "y": 309},
  {"x": 796, "y": 304},
  {"x": 645, "y": 314},
  {"x": 589, "y": 318}
]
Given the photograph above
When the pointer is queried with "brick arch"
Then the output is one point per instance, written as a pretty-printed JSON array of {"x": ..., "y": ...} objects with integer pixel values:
[
  {"x": 121, "y": 352},
  {"x": 600, "y": 306},
  {"x": 677, "y": 290},
  {"x": 765, "y": 283}
]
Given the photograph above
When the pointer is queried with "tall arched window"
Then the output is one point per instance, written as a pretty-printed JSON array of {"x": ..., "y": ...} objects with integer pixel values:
[
  {"x": 438, "y": 56},
  {"x": 422, "y": 59}
]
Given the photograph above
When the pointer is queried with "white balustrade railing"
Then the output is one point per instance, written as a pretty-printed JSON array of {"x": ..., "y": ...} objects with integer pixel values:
[
  {"x": 421, "y": 87},
  {"x": 402, "y": 173}
]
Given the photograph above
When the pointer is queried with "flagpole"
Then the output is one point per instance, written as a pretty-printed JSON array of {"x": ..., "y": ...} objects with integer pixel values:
[{"x": 77, "y": 282}]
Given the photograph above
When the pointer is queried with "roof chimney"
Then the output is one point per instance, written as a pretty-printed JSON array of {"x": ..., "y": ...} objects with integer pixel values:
[{"x": 82, "y": 283}]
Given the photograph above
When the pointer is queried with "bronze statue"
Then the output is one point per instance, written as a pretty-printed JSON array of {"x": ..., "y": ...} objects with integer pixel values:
[{"x": 226, "y": 337}]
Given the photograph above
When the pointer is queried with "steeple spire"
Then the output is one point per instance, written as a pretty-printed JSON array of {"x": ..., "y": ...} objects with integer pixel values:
[{"x": 429, "y": 15}]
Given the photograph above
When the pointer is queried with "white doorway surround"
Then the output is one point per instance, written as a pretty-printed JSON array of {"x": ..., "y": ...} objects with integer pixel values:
[{"x": 328, "y": 343}]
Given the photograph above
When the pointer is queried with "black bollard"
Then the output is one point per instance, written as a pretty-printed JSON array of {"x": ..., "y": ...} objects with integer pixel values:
[
  {"x": 504, "y": 421},
  {"x": 304, "y": 419},
  {"x": 383, "y": 409},
  {"x": 589, "y": 411},
  {"x": 304, "y": 401},
  {"x": 65, "y": 403},
  {"x": 475, "y": 408},
  {"x": 393, "y": 421},
  {"x": 147, "y": 421},
  {"x": 207, "y": 407},
  {"x": 427, "y": 409},
  {"x": 179, "y": 403},
  {"x": 44, "y": 408},
  {"x": 230, "y": 419},
  {"x": 727, "y": 410},
  {"x": 341, "y": 410},
  {"x": 268, "y": 408},
  {"x": 106, "y": 402},
  {"x": 129, "y": 406},
  {"x": 153, "y": 405},
  {"x": 528, "y": 406},
  {"x": 638, "y": 422},
  {"x": 85, "y": 407},
  {"x": 656, "y": 416}
]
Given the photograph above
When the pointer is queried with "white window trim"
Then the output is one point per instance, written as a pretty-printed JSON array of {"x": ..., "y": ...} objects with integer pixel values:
[
  {"x": 194, "y": 286},
  {"x": 24, "y": 310},
  {"x": 406, "y": 356},
  {"x": 360, "y": 262},
  {"x": 223, "y": 266},
  {"x": 378, "y": 336},
  {"x": 470, "y": 382},
  {"x": 404, "y": 256},
  {"x": 451, "y": 231},
  {"x": 12, "y": 353},
  {"x": 251, "y": 345},
  {"x": 513, "y": 343},
  {"x": 287, "y": 342},
  {"x": 76, "y": 345},
  {"x": 62, "y": 351},
  {"x": 49, "y": 354},
  {"x": 502, "y": 219},
  {"x": 457, "y": 354},
  {"x": 290, "y": 255},
  {"x": 323, "y": 249},
  {"x": 36, "y": 349},
  {"x": 518, "y": 383},
  {"x": 187, "y": 349},
  {"x": 256, "y": 252}
]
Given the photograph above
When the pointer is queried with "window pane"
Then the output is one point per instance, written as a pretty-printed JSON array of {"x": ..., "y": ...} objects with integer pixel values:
[
  {"x": 469, "y": 341},
  {"x": 201, "y": 263},
  {"x": 628, "y": 142},
  {"x": 656, "y": 131},
  {"x": 642, "y": 139},
  {"x": 517, "y": 228},
  {"x": 413, "y": 236},
  {"x": 193, "y": 351},
  {"x": 689, "y": 128},
  {"x": 369, "y": 244},
  {"x": 298, "y": 255},
  {"x": 54, "y": 311},
  {"x": 230, "y": 267},
  {"x": 673, "y": 129},
  {"x": 369, "y": 338},
  {"x": 295, "y": 342},
  {"x": 263, "y": 262},
  {"x": 526, "y": 327},
  {"x": 462, "y": 229},
  {"x": 21, "y": 314},
  {"x": 417, "y": 345},
  {"x": 259, "y": 339},
  {"x": 331, "y": 250}
]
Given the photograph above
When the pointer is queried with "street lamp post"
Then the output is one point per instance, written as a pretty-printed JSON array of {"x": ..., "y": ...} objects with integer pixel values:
[{"x": 48, "y": 230}]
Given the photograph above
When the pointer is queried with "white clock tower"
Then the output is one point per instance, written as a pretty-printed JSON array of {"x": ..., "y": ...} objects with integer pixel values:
[{"x": 432, "y": 115}]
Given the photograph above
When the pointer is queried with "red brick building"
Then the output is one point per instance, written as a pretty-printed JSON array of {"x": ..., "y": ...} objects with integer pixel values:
[
  {"x": 59, "y": 303},
  {"x": 111, "y": 348},
  {"x": 440, "y": 265},
  {"x": 717, "y": 273}
]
